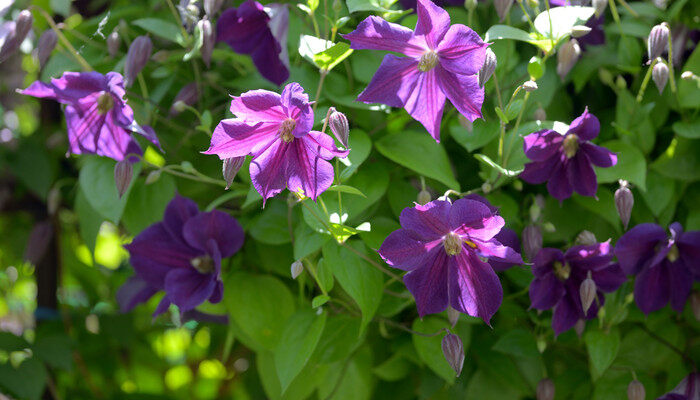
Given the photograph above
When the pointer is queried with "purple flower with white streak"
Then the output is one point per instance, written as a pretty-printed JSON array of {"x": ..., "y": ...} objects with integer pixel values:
[
  {"x": 558, "y": 278},
  {"x": 182, "y": 256},
  {"x": 441, "y": 245},
  {"x": 260, "y": 32},
  {"x": 566, "y": 161},
  {"x": 98, "y": 119},
  {"x": 443, "y": 62},
  {"x": 665, "y": 266},
  {"x": 276, "y": 130},
  {"x": 687, "y": 389}
]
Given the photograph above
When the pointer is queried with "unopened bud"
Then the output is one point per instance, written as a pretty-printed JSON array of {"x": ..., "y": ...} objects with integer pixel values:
[
  {"x": 534, "y": 4},
  {"x": 13, "y": 40},
  {"x": 657, "y": 42},
  {"x": 635, "y": 390},
  {"x": 545, "y": 389},
  {"x": 580, "y": 30},
  {"x": 540, "y": 201},
  {"x": 211, "y": 7},
  {"x": 152, "y": 177},
  {"x": 454, "y": 352},
  {"x": 624, "y": 201},
  {"x": 502, "y": 8},
  {"x": 470, "y": 5},
  {"x": 687, "y": 76},
  {"x": 452, "y": 316},
  {"x": 488, "y": 68},
  {"x": 208, "y": 40},
  {"x": 113, "y": 44},
  {"x": 535, "y": 212},
  {"x": 586, "y": 238},
  {"x": 123, "y": 172},
  {"x": 338, "y": 123},
  {"x": 540, "y": 114},
  {"x": 529, "y": 86},
  {"x": 53, "y": 200},
  {"x": 178, "y": 107},
  {"x": 136, "y": 58},
  {"x": 599, "y": 6},
  {"x": 486, "y": 187},
  {"x": 424, "y": 197},
  {"x": 47, "y": 42},
  {"x": 695, "y": 305},
  {"x": 230, "y": 169},
  {"x": 567, "y": 57},
  {"x": 579, "y": 327},
  {"x": 532, "y": 241},
  {"x": 660, "y": 75},
  {"x": 337, "y": 6},
  {"x": 187, "y": 96},
  {"x": 587, "y": 291},
  {"x": 549, "y": 227},
  {"x": 297, "y": 268}
]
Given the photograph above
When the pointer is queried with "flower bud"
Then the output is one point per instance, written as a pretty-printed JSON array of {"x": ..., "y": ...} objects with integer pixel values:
[
  {"x": 297, "y": 268},
  {"x": 624, "y": 201},
  {"x": 53, "y": 200},
  {"x": 580, "y": 30},
  {"x": 545, "y": 389},
  {"x": 660, "y": 75},
  {"x": 695, "y": 305},
  {"x": 454, "y": 352},
  {"x": 657, "y": 42},
  {"x": 586, "y": 238},
  {"x": 153, "y": 176},
  {"x": 113, "y": 44},
  {"x": 587, "y": 291},
  {"x": 486, "y": 187},
  {"x": 599, "y": 6},
  {"x": 187, "y": 96},
  {"x": 13, "y": 40},
  {"x": 452, "y": 316},
  {"x": 579, "y": 327},
  {"x": 532, "y": 241},
  {"x": 529, "y": 86},
  {"x": 337, "y": 6},
  {"x": 620, "y": 82},
  {"x": 136, "y": 58},
  {"x": 635, "y": 390},
  {"x": 424, "y": 197},
  {"x": 502, "y": 8},
  {"x": 687, "y": 76},
  {"x": 535, "y": 212},
  {"x": 338, "y": 123},
  {"x": 567, "y": 57},
  {"x": 211, "y": 7},
  {"x": 540, "y": 201},
  {"x": 47, "y": 42},
  {"x": 123, "y": 172},
  {"x": 230, "y": 168},
  {"x": 534, "y": 4},
  {"x": 470, "y": 5},
  {"x": 488, "y": 68},
  {"x": 549, "y": 227},
  {"x": 208, "y": 40},
  {"x": 540, "y": 114}
]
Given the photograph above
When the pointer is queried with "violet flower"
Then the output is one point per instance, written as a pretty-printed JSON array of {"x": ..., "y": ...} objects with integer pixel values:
[
  {"x": 249, "y": 29},
  {"x": 98, "y": 119},
  {"x": 443, "y": 62},
  {"x": 182, "y": 256},
  {"x": 665, "y": 267},
  {"x": 441, "y": 245},
  {"x": 276, "y": 131},
  {"x": 687, "y": 389},
  {"x": 564, "y": 161},
  {"x": 558, "y": 278}
]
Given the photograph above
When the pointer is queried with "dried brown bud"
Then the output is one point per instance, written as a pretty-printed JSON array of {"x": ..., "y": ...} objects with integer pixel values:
[
  {"x": 230, "y": 168},
  {"x": 208, "y": 40},
  {"x": 113, "y": 44},
  {"x": 297, "y": 268},
  {"x": 502, "y": 8},
  {"x": 136, "y": 58},
  {"x": 454, "y": 352},
  {"x": 490, "y": 63},
  {"x": 123, "y": 172},
  {"x": 657, "y": 42},
  {"x": 567, "y": 57},
  {"x": 532, "y": 241},
  {"x": 47, "y": 42},
  {"x": 587, "y": 291},
  {"x": 545, "y": 389},
  {"x": 635, "y": 390},
  {"x": 338, "y": 123},
  {"x": 660, "y": 75},
  {"x": 624, "y": 202}
]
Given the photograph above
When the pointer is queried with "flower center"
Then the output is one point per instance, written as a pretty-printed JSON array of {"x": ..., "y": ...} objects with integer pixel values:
[
  {"x": 453, "y": 244},
  {"x": 427, "y": 61},
  {"x": 562, "y": 271},
  {"x": 203, "y": 264},
  {"x": 570, "y": 145},
  {"x": 105, "y": 103},
  {"x": 286, "y": 129},
  {"x": 673, "y": 253}
]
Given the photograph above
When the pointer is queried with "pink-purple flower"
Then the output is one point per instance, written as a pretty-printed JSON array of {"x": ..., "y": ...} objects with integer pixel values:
[
  {"x": 442, "y": 62},
  {"x": 182, "y": 256},
  {"x": 276, "y": 131},
  {"x": 558, "y": 278},
  {"x": 98, "y": 119},
  {"x": 687, "y": 389},
  {"x": 441, "y": 245},
  {"x": 566, "y": 161},
  {"x": 665, "y": 266}
]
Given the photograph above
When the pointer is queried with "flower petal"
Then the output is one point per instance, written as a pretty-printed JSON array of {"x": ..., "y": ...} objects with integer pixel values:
[
  {"x": 599, "y": 156},
  {"x": 433, "y": 22},
  {"x": 134, "y": 291},
  {"x": 306, "y": 171},
  {"x": 609, "y": 279},
  {"x": 187, "y": 288},
  {"x": 544, "y": 259},
  {"x": 214, "y": 225},
  {"x": 542, "y": 145},
  {"x": 582, "y": 175},
  {"x": 297, "y": 105},
  {"x": 268, "y": 61},
  {"x": 41, "y": 90},
  {"x": 163, "y": 306},
  {"x": 545, "y": 292},
  {"x": 179, "y": 210},
  {"x": 73, "y": 86},
  {"x": 681, "y": 283},
  {"x": 689, "y": 250},
  {"x": 463, "y": 91},
  {"x": 474, "y": 219},
  {"x": 462, "y": 51},
  {"x": 539, "y": 171},
  {"x": 591, "y": 257},
  {"x": 652, "y": 288},
  {"x": 586, "y": 126},
  {"x": 427, "y": 222},
  {"x": 559, "y": 185},
  {"x": 244, "y": 28},
  {"x": 392, "y": 83},
  {"x": 259, "y": 105},
  {"x": 566, "y": 313},
  {"x": 428, "y": 284},
  {"x": 637, "y": 246},
  {"x": 498, "y": 253},
  {"x": 401, "y": 250},
  {"x": 377, "y": 34},
  {"x": 323, "y": 145},
  {"x": 267, "y": 169},
  {"x": 236, "y": 138},
  {"x": 507, "y": 237},
  {"x": 473, "y": 286}
]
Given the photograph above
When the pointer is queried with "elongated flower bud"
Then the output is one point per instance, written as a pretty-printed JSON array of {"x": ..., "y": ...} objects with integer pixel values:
[
  {"x": 208, "y": 40},
  {"x": 502, "y": 8},
  {"x": 545, "y": 389},
  {"x": 152, "y": 177},
  {"x": 211, "y": 7},
  {"x": 452, "y": 316},
  {"x": 470, "y": 5},
  {"x": 297, "y": 268},
  {"x": 580, "y": 30},
  {"x": 454, "y": 352},
  {"x": 599, "y": 6},
  {"x": 136, "y": 58},
  {"x": 586, "y": 238},
  {"x": 695, "y": 305},
  {"x": 424, "y": 197},
  {"x": 660, "y": 75},
  {"x": 657, "y": 42},
  {"x": 188, "y": 95},
  {"x": 47, "y": 42},
  {"x": 567, "y": 57},
  {"x": 529, "y": 86},
  {"x": 340, "y": 127},
  {"x": 587, "y": 291},
  {"x": 230, "y": 169},
  {"x": 532, "y": 241},
  {"x": 624, "y": 202},
  {"x": 53, "y": 200},
  {"x": 123, "y": 172},
  {"x": 23, "y": 24},
  {"x": 635, "y": 390},
  {"x": 579, "y": 327},
  {"x": 113, "y": 44},
  {"x": 488, "y": 68},
  {"x": 687, "y": 76},
  {"x": 540, "y": 114}
]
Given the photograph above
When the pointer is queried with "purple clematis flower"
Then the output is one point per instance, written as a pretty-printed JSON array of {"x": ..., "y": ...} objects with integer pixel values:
[
  {"x": 262, "y": 33},
  {"x": 558, "y": 278},
  {"x": 687, "y": 389},
  {"x": 276, "y": 130},
  {"x": 443, "y": 62},
  {"x": 564, "y": 161},
  {"x": 99, "y": 120},
  {"x": 441, "y": 245},
  {"x": 665, "y": 267},
  {"x": 182, "y": 256}
]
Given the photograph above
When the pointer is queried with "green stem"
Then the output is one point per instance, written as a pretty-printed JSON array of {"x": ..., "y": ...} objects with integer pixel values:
[
  {"x": 515, "y": 130},
  {"x": 312, "y": 270},
  {"x": 84, "y": 64},
  {"x": 529, "y": 20},
  {"x": 616, "y": 17},
  {"x": 645, "y": 82},
  {"x": 178, "y": 20},
  {"x": 322, "y": 78},
  {"x": 628, "y": 8}
]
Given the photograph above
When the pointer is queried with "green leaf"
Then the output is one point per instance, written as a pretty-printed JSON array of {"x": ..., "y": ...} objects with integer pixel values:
[
  {"x": 690, "y": 130},
  {"x": 602, "y": 350},
  {"x": 97, "y": 183},
  {"x": 341, "y": 337},
  {"x": 146, "y": 203},
  {"x": 680, "y": 161},
  {"x": 163, "y": 29},
  {"x": 360, "y": 280},
  {"x": 562, "y": 20},
  {"x": 429, "y": 349},
  {"x": 297, "y": 344},
  {"x": 630, "y": 166},
  {"x": 319, "y": 300},
  {"x": 371, "y": 5},
  {"x": 306, "y": 241},
  {"x": 360, "y": 145},
  {"x": 604, "y": 206},
  {"x": 659, "y": 193},
  {"x": 55, "y": 350},
  {"x": 482, "y": 134},
  {"x": 329, "y": 58},
  {"x": 25, "y": 382},
  {"x": 501, "y": 115},
  {"x": 517, "y": 342},
  {"x": 346, "y": 189},
  {"x": 394, "y": 368},
  {"x": 488, "y": 161},
  {"x": 498, "y": 32},
  {"x": 419, "y": 152},
  {"x": 61, "y": 7},
  {"x": 271, "y": 225},
  {"x": 10, "y": 342},
  {"x": 89, "y": 221},
  {"x": 309, "y": 46}
]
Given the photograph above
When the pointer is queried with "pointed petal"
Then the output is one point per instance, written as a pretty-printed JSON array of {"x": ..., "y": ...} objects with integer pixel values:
[
  {"x": 559, "y": 185},
  {"x": 235, "y": 138},
  {"x": 163, "y": 306},
  {"x": 495, "y": 251},
  {"x": 267, "y": 169},
  {"x": 582, "y": 175},
  {"x": 377, "y": 34},
  {"x": 259, "y": 105},
  {"x": 297, "y": 105},
  {"x": 268, "y": 61},
  {"x": 544, "y": 259},
  {"x": 306, "y": 171},
  {"x": 681, "y": 283},
  {"x": 428, "y": 284},
  {"x": 689, "y": 251},
  {"x": 433, "y": 22},
  {"x": 473, "y": 286},
  {"x": 41, "y": 90},
  {"x": 187, "y": 288},
  {"x": 214, "y": 225},
  {"x": 427, "y": 222},
  {"x": 401, "y": 250},
  {"x": 323, "y": 145},
  {"x": 652, "y": 288},
  {"x": 243, "y": 28},
  {"x": 506, "y": 237},
  {"x": 591, "y": 257},
  {"x": 586, "y": 126},
  {"x": 542, "y": 145},
  {"x": 462, "y": 51},
  {"x": 599, "y": 156},
  {"x": 539, "y": 171},
  {"x": 474, "y": 219},
  {"x": 134, "y": 291},
  {"x": 637, "y": 246},
  {"x": 566, "y": 313},
  {"x": 73, "y": 86},
  {"x": 546, "y": 291},
  {"x": 392, "y": 83},
  {"x": 463, "y": 91},
  {"x": 179, "y": 210},
  {"x": 609, "y": 279}
]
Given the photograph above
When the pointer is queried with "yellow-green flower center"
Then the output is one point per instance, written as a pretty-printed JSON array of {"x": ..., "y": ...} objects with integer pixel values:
[
  {"x": 673, "y": 253},
  {"x": 427, "y": 61},
  {"x": 105, "y": 103},
  {"x": 203, "y": 264},
  {"x": 570, "y": 145},
  {"x": 453, "y": 244},
  {"x": 286, "y": 130},
  {"x": 562, "y": 271}
]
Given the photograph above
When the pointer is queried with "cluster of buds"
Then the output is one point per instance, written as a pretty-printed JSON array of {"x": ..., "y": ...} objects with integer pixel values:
[
  {"x": 136, "y": 58},
  {"x": 567, "y": 57},
  {"x": 453, "y": 350},
  {"x": 488, "y": 68},
  {"x": 12, "y": 40},
  {"x": 624, "y": 201},
  {"x": 230, "y": 168}
]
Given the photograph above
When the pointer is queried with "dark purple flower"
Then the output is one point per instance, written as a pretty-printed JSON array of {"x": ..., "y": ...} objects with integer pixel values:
[
  {"x": 99, "y": 120},
  {"x": 248, "y": 29},
  {"x": 182, "y": 256},
  {"x": 443, "y": 62},
  {"x": 506, "y": 237},
  {"x": 558, "y": 278},
  {"x": 441, "y": 245},
  {"x": 276, "y": 130},
  {"x": 406, "y": 4},
  {"x": 564, "y": 161},
  {"x": 665, "y": 267},
  {"x": 687, "y": 389}
]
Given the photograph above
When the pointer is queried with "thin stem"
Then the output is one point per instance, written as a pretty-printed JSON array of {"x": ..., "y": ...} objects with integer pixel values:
[
  {"x": 178, "y": 20},
  {"x": 645, "y": 82},
  {"x": 312, "y": 270},
  {"x": 616, "y": 17},
  {"x": 84, "y": 64},
  {"x": 628, "y": 8},
  {"x": 502, "y": 124},
  {"x": 372, "y": 262},
  {"x": 323, "y": 73},
  {"x": 515, "y": 130},
  {"x": 529, "y": 20},
  {"x": 667, "y": 344},
  {"x": 671, "y": 77},
  {"x": 322, "y": 221}
]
